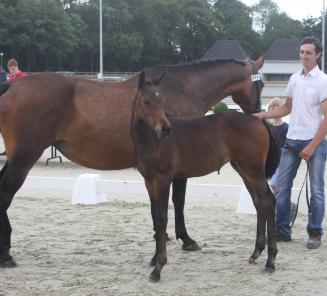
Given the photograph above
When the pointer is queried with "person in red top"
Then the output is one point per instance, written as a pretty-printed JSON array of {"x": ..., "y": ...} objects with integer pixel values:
[{"x": 14, "y": 72}]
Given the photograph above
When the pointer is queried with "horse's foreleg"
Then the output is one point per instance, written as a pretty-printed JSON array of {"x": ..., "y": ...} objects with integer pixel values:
[
  {"x": 158, "y": 189},
  {"x": 12, "y": 179},
  {"x": 179, "y": 190}
]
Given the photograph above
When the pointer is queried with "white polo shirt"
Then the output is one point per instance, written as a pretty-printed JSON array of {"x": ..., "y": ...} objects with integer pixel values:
[{"x": 307, "y": 92}]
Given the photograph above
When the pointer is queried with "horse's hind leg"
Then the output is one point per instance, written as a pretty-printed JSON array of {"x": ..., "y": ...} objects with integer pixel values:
[
  {"x": 12, "y": 178},
  {"x": 179, "y": 190},
  {"x": 5, "y": 232}
]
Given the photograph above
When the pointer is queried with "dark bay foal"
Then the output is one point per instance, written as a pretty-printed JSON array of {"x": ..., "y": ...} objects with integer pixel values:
[{"x": 183, "y": 148}]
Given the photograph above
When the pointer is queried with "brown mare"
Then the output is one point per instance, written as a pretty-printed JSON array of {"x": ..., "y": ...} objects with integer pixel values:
[
  {"x": 89, "y": 122},
  {"x": 196, "y": 147}
]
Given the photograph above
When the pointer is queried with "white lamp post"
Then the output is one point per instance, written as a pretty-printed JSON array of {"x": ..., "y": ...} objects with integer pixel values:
[
  {"x": 1, "y": 55},
  {"x": 100, "y": 74}
]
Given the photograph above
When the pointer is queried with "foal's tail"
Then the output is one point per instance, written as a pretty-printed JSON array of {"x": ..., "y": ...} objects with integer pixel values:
[{"x": 273, "y": 157}]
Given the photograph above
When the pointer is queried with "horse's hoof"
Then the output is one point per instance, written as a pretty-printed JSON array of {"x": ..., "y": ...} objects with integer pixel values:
[
  {"x": 191, "y": 247},
  {"x": 154, "y": 276}
]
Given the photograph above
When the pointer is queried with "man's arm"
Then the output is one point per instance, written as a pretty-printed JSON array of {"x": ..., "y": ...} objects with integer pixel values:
[
  {"x": 277, "y": 112},
  {"x": 307, "y": 152}
]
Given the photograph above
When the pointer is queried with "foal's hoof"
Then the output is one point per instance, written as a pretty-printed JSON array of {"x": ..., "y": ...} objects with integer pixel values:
[
  {"x": 191, "y": 247},
  {"x": 7, "y": 261},
  {"x": 154, "y": 276},
  {"x": 252, "y": 260},
  {"x": 269, "y": 269}
]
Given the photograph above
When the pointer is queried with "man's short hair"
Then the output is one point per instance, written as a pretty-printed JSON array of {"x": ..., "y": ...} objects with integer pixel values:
[
  {"x": 12, "y": 62},
  {"x": 313, "y": 40}
]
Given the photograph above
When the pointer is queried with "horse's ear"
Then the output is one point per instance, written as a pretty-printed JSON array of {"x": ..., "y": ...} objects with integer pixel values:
[
  {"x": 158, "y": 80},
  {"x": 259, "y": 63},
  {"x": 141, "y": 79}
]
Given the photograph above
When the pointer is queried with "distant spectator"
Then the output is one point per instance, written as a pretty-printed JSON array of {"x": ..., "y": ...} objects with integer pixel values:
[
  {"x": 14, "y": 72},
  {"x": 281, "y": 128}
]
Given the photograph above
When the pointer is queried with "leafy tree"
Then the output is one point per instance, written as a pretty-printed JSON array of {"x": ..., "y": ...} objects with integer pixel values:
[
  {"x": 234, "y": 21},
  {"x": 7, "y": 22},
  {"x": 41, "y": 40},
  {"x": 158, "y": 23},
  {"x": 262, "y": 14},
  {"x": 198, "y": 30},
  {"x": 280, "y": 26}
]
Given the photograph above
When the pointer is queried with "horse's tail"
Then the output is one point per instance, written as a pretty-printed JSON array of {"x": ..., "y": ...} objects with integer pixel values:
[
  {"x": 3, "y": 87},
  {"x": 273, "y": 157}
]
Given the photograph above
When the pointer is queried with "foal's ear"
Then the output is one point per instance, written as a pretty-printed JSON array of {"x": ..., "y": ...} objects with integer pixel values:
[
  {"x": 156, "y": 81},
  {"x": 259, "y": 63},
  {"x": 141, "y": 79}
]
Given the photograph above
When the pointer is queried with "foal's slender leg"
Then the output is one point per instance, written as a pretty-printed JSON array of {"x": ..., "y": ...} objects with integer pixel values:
[
  {"x": 11, "y": 180},
  {"x": 179, "y": 190},
  {"x": 158, "y": 189},
  {"x": 265, "y": 205},
  {"x": 271, "y": 225},
  {"x": 247, "y": 177},
  {"x": 264, "y": 202},
  {"x": 261, "y": 222}
]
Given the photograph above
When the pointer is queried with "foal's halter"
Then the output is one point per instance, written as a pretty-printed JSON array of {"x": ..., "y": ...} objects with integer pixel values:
[{"x": 256, "y": 78}]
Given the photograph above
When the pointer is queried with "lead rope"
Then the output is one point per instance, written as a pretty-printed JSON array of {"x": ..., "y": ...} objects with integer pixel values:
[{"x": 305, "y": 181}]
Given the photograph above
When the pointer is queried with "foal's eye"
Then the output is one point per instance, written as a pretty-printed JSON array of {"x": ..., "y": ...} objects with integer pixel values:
[{"x": 147, "y": 102}]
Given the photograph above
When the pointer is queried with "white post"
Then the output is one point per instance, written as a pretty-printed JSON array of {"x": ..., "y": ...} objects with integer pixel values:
[
  {"x": 323, "y": 37},
  {"x": 100, "y": 75}
]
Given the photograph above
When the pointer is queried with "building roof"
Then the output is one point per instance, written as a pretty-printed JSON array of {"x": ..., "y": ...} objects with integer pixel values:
[
  {"x": 283, "y": 50},
  {"x": 226, "y": 49}
]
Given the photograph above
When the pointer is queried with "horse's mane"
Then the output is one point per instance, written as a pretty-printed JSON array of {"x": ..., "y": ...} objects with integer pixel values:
[{"x": 198, "y": 63}]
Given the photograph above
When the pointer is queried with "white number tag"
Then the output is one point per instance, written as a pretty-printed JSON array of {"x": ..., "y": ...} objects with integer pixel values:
[{"x": 255, "y": 77}]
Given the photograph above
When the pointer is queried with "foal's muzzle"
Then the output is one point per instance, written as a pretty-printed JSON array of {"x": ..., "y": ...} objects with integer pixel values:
[{"x": 163, "y": 130}]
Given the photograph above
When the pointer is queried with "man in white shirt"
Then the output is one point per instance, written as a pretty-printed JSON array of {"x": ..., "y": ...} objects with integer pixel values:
[{"x": 307, "y": 105}]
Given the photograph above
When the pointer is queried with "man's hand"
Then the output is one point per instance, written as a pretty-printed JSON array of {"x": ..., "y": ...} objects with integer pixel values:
[
  {"x": 259, "y": 115},
  {"x": 307, "y": 152}
]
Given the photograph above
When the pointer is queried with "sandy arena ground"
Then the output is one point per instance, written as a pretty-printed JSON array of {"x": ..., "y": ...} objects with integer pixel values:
[{"x": 64, "y": 249}]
